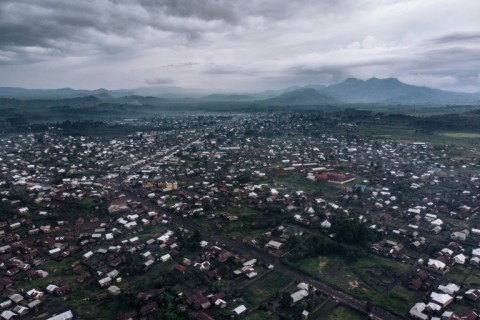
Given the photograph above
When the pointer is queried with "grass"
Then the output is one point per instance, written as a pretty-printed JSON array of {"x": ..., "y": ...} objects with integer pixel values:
[
  {"x": 297, "y": 182},
  {"x": 398, "y": 300},
  {"x": 371, "y": 278},
  {"x": 266, "y": 287},
  {"x": 459, "y": 274},
  {"x": 258, "y": 315},
  {"x": 345, "y": 313},
  {"x": 327, "y": 305},
  {"x": 241, "y": 211},
  {"x": 461, "y": 135},
  {"x": 460, "y": 308}
]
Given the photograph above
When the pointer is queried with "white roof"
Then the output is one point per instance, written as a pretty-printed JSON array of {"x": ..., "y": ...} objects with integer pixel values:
[
  {"x": 8, "y": 314},
  {"x": 166, "y": 257},
  {"x": 274, "y": 244},
  {"x": 450, "y": 288},
  {"x": 433, "y": 306},
  {"x": 436, "y": 263},
  {"x": 419, "y": 306},
  {"x": 460, "y": 258},
  {"x": 240, "y": 309},
  {"x": 303, "y": 285},
  {"x": 447, "y": 251},
  {"x": 299, "y": 295},
  {"x": 51, "y": 287},
  {"x": 63, "y": 316},
  {"x": 441, "y": 298}
]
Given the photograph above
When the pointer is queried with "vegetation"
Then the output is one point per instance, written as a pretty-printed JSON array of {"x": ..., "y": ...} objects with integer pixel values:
[
  {"x": 345, "y": 313},
  {"x": 270, "y": 285}
]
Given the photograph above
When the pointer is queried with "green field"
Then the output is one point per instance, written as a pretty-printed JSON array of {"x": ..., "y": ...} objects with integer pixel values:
[
  {"x": 258, "y": 315},
  {"x": 267, "y": 287},
  {"x": 372, "y": 278},
  {"x": 345, "y": 313},
  {"x": 461, "y": 135}
]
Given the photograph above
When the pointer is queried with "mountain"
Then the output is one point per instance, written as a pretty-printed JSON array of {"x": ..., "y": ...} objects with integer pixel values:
[
  {"x": 63, "y": 93},
  {"x": 388, "y": 91},
  {"x": 228, "y": 97},
  {"x": 392, "y": 91},
  {"x": 67, "y": 93},
  {"x": 167, "y": 92},
  {"x": 374, "y": 91},
  {"x": 303, "y": 96},
  {"x": 138, "y": 100}
]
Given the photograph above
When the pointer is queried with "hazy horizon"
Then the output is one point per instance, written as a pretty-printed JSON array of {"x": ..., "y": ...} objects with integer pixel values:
[{"x": 237, "y": 46}]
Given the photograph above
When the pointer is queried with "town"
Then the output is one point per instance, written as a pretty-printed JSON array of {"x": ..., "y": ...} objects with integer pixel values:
[{"x": 286, "y": 215}]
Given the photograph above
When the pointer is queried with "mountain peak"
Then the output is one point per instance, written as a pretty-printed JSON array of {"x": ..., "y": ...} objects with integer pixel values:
[
  {"x": 386, "y": 80},
  {"x": 352, "y": 80}
]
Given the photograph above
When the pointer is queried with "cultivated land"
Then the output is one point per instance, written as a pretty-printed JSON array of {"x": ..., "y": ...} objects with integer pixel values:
[{"x": 330, "y": 214}]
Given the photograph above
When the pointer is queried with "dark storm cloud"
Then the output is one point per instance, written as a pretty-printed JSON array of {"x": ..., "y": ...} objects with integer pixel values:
[
  {"x": 204, "y": 10},
  {"x": 159, "y": 81},
  {"x": 53, "y": 23},
  {"x": 237, "y": 44},
  {"x": 68, "y": 25},
  {"x": 181, "y": 65},
  {"x": 458, "y": 37},
  {"x": 228, "y": 69}
]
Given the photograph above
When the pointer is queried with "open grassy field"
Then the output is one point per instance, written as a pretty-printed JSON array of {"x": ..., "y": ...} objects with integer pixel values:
[
  {"x": 258, "y": 315},
  {"x": 372, "y": 278},
  {"x": 298, "y": 182},
  {"x": 265, "y": 288},
  {"x": 461, "y": 135},
  {"x": 345, "y": 313}
]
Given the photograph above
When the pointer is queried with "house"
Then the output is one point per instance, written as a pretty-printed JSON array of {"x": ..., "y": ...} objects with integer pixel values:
[
  {"x": 7, "y": 315},
  {"x": 165, "y": 257},
  {"x": 441, "y": 299},
  {"x": 472, "y": 294},
  {"x": 63, "y": 290},
  {"x": 239, "y": 310},
  {"x": 326, "y": 224},
  {"x": 87, "y": 255},
  {"x": 415, "y": 284},
  {"x": 6, "y": 304},
  {"x": 274, "y": 244},
  {"x": 16, "y": 297},
  {"x": 21, "y": 310},
  {"x": 118, "y": 205},
  {"x": 471, "y": 315},
  {"x": 450, "y": 288},
  {"x": 105, "y": 282},
  {"x": 114, "y": 290},
  {"x": 63, "y": 316},
  {"x": 202, "y": 303},
  {"x": 475, "y": 261},
  {"x": 417, "y": 310},
  {"x": 299, "y": 295},
  {"x": 476, "y": 252},
  {"x": 148, "y": 308},
  {"x": 131, "y": 315},
  {"x": 436, "y": 264},
  {"x": 203, "y": 316},
  {"x": 460, "y": 258},
  {"x": 33, "y": 305}
]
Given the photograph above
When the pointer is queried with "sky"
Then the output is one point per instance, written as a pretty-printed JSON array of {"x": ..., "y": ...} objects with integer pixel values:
[{"x": 236, "y": 46}]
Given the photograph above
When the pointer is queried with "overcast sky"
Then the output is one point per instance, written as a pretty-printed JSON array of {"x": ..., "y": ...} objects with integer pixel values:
[{"x": 238, "y": 45}]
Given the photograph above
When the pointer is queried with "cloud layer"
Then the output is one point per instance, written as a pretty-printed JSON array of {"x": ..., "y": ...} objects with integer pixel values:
[{"x": 238, "y": 45}]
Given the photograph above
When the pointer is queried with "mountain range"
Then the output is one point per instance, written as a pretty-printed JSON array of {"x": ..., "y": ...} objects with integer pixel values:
[{"x": 388, "y": 91}]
